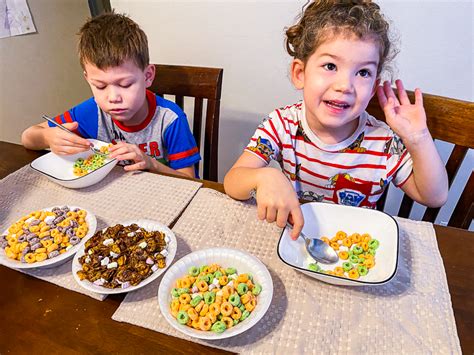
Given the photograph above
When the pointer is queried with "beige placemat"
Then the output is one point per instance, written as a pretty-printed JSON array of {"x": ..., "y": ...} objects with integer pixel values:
[
  {"x": 119, "y": 197},
  {"x": 410, "y": 314}
]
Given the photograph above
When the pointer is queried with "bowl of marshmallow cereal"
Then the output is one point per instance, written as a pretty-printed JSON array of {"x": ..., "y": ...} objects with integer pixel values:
[{"x": 215, "y": 293}]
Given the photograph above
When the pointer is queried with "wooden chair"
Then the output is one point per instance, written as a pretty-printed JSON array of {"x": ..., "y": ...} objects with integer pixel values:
[
  {"x": 451, "y": 121},
  {"x": 200, "y": 83}
]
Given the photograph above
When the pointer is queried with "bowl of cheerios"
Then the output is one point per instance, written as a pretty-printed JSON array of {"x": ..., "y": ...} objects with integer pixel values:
[
  {"x": 215, "y": 293},
  {"x": 77, "y": 170},
  {"x": 366, "y": 241},
  {"x": 46, "y": 237}
]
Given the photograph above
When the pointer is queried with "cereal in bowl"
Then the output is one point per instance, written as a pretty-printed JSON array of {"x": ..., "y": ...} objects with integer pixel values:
[
  {"x": 44, "y": 234},
  {"x": 211, "y": 298},
  {"x": 82, "y": 166},
  {"x": 122, "y": 256}
]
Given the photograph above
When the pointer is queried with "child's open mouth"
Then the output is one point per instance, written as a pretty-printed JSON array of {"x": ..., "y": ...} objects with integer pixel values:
[{"x": 338, "y": 105}]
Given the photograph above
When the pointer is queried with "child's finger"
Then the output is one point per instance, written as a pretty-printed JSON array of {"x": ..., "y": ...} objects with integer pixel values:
[
  {"x": 296, "y": 216},
  {"x": 261, "y": 211},
  {"x": 381, "y": 97},
  {"x": 137, "y": 166},
  {"x": 282, "y": 217},
  {"x": 271, "y": 214},
  {"x": 389, "y": 92},
  {"x": 402, "y": 94},
  {"x": 418, "y": 97}
]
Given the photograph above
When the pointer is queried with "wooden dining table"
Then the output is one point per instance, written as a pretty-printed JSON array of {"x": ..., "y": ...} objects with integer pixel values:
[{"x": 40, "y": 317}]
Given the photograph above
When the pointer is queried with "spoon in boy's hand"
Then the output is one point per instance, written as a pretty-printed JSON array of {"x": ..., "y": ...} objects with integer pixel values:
[
  {"x": 318, "y": 249},
  {"x": 94, "y": 149}
]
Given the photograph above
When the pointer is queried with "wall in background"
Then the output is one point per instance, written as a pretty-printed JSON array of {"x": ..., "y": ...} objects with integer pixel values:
[
  {"x": 246, "y": 39},
  {"x": 40, "y": 72}
]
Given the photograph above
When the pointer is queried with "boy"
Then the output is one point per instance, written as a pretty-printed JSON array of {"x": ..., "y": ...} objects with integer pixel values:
[{"x": 146, "y": 129}]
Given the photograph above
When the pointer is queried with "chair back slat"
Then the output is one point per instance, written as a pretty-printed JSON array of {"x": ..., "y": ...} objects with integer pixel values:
[
  {"x": 197, "y": 121},
  {"x": 464, "y": 211},
  {"x": 200, "y": 83},
  {"x": 451, "y": 121}
]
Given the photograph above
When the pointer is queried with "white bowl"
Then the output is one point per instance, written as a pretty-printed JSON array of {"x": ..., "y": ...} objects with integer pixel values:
[
  {"x": 243, "y": 262},
  {"x": 149, "y": 226},
  {"x": 59, "y": 168},
  {"x": 325, "y": 219},
  {"x": 61, "y": 258}
]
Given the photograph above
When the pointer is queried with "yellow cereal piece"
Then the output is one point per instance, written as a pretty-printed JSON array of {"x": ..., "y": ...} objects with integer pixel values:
[
  {"x": 242, "y": 278},
  {"x": 228, "y": 321},
  {"x": 30, "y": 258},
  {"x": 52, "y": 247},
  {"x": 40, "y": 250},
  {"x": 354, "y": 274},
  {"x": 34, "y": 229},
  {"x": 344, "y": 255},
  {"x": 339, "y": 271},
  {"x": 340, "y": 235},
  {"x": 204, "y": 310},
  {"x": 40, "y": 256}
]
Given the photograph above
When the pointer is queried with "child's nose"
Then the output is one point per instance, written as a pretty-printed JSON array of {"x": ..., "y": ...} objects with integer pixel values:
[
  {"x": 114, "y": 95},
  {"x": 343, "y": 83}
]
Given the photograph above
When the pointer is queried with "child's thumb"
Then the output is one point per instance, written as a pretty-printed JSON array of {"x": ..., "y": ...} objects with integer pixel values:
[{"x": 71, "y": 125}]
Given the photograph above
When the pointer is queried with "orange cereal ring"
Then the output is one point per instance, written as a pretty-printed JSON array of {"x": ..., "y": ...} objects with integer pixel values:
[
  {"x": 46, "y": 243},
  {"x": 344, "y": 255},
  {"x": 226, "y": 309},
  {"x": 245, "y": 298},
  {"x": 175, "y": 304},
  {"x": 340, "y": 235},
  {"x": 229, "y": 322},
  {"x": 353, "y": 274},
  {"x": 190, "y": 322},
  {"x": 356, "y": 238},
  {"x": 249, "y": 306},
  {"x": 339, "y": 271},
  {"x": 202, "y": 285},
  {"x": 199, "y": 306},
  {"x": 30, "y": 258},
  {"x": 195, "y": 324},
  {"x": 184, "y": 307},
  {"x": 347, "y": 242},
  {"x": 223, "y": 280},
  {"x": 364, "y": 246},
  {"x": 204, "y": 310},
  {"x": 81, "y": 233},
  {"x": 325, "y": 240},
  {"x": 52, "y": 247},
  {"x": 242, "y": 278},
  {"x": 236, "y": 313},
  {"x": 212, "y": 317},
  {"x": 250, "y": 284},
  {"x": 212, "y": 269},
  {"x": 370, "y": 263},
  {"x": 215, "y": 309},
  {"x": 184, "y": 298},
  {"x": 58, "y": 238},
  {"x": 174, "y": 313},
  {"x": 205, "y": 323},
  {"x": 366, "y": 237},
  {"x": 186, "y": 283},
  {"x": 40, "y": 250},
  {"x": 226, "y": 292},
  {"x": 219, "y": 299},
  {"x": 334, "y": 245},
  {"x": 81, "y": 214},
  {"x": 192, "y": 314},
  {"x": 41, "y": 256}
]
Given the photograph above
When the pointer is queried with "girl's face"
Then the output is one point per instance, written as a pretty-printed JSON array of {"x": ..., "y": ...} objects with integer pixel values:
[
  {"x": 338, "y": 81},
  {"x": 121, "y": 91}
]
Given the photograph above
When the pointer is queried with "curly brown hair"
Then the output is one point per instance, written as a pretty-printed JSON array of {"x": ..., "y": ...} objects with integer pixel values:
[
  {"x": 110, "y": 39},
  {"x": 322, "y": 19}
]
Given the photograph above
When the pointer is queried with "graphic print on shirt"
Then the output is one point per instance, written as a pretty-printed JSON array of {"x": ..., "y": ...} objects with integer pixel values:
[
  {"x": 394, "y": 146},
  {"x": 301, "y": 133},
  {"x": 263, "y": 148},
  {"x": 349, "y": 192},
  {"x": 310, "y": 196},
  {"x": 356, "y": 146},
  {"x": 296, "y": 175}
]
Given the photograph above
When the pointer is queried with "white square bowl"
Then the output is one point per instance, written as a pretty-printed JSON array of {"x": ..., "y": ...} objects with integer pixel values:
[
  {"x": 59, "y": 168},
  {"x": 325, "y": 219}
]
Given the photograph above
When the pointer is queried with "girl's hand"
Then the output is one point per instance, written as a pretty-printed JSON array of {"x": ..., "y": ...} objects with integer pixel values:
[
  {"x": 407, "y": 120},
  {"x": 126, "y": 151},
  {"x": 65, "y": 143},
  {"x": 277, "y": 201}
]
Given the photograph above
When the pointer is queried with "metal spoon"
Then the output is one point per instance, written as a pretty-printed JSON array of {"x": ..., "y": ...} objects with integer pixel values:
[
  {"x": 94, "y": 149},
  {"x": 318, "y": 250}
]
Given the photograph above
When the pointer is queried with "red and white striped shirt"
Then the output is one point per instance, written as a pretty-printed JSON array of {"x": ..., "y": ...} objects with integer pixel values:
[{"x": 353, "y": 172}]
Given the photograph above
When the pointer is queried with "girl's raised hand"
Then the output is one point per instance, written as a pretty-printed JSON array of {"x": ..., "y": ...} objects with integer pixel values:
[{"x": 407, "y": 120}]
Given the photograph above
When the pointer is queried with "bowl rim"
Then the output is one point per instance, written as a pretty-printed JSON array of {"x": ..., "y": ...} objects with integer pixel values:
[
  {"x": 113, "y": 160},
  {"x": 374, "y": 283}
]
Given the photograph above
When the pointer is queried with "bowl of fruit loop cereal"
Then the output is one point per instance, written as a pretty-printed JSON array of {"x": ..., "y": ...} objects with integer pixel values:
[
  {"x": 77, "y": 170},
  {"x": 366, "y": 241},
  {"x": 46, "y": 237},
  {"x": 124, "y": 257},
  {"x": 215, "y": 293}
]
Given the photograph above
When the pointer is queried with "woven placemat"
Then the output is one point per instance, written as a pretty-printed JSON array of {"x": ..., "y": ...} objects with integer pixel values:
[
  {"x": 119, "y": 197},
  {"x": 412, "y": 313}
]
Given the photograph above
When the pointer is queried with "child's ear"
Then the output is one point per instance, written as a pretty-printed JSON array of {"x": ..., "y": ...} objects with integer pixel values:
[
  {"x": 297, "y": 73},
  {"x": 374, "y": 89},
  {"x": 149, "y": 75}
]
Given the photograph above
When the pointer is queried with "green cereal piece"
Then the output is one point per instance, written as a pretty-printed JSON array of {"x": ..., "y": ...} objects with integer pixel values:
[
  {"x": 257, "y": 288},
  {"x": 242, "y": 308},
  {"x": 357, "y": 250},
  {"x": 195, "y": 301},
  {"x": 372, "y": 251},
  {"x": 218, "y": 327},
  {"x": 374, "y": 244},
  {"x": 219, "y": 316},
  {"x": 362, "y": 269},
  {"x": 313, "y": 267},
  {"x": 209, "y": 278},
  {"x": 242, "y": 288},
  {"x": 174, "y": 292},
  {"x": 354, "y": 259},
  {"x": 250, "y": 277},
  {"x": 350, "y": 253},
  {"x": 201, "y": 269},
  {"x": 244, "y": 315},
  {"x": 234, "y": 299},
  {"x": 182, "y": 317},
  {"x": 202, "y": 278},
  {"x": 230, "y": 270},
  {"x": 182, "y": 290},
  {"x": 80, "y": 161},
  {"x": 209, "y": 297},
  {"x": 347, "y": 266},
  {"x": 193, "y": 271},
  {"x": 217, "y": 274},
  {"x": 236, "y": 321}
]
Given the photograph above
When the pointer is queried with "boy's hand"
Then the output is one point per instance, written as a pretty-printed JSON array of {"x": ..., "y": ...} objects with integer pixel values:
[
  {"x": 65, "y": 143},
  {"x": 407, "y": 120},
  {"x": 277, "y": 201},
  {"x": 126, "y": 151}
]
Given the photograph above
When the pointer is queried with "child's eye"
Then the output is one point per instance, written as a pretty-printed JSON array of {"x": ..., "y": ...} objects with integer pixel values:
[
  {"x": 125, "y": 86},
  {"x": 364, "y": 73},
  {"x": 99, "y": 87},
  {"x": 329, "y": 66}
]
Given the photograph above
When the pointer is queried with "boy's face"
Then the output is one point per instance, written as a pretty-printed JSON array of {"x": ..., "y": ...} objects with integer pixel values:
[
  {"x": 121, "y": 91},
  {"x": 338, "y": 81}
]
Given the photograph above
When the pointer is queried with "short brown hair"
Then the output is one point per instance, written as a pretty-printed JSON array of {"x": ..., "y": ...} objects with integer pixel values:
[
  {"x": 324, "y": 18},
  {"x": 110, "y": 39}
]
